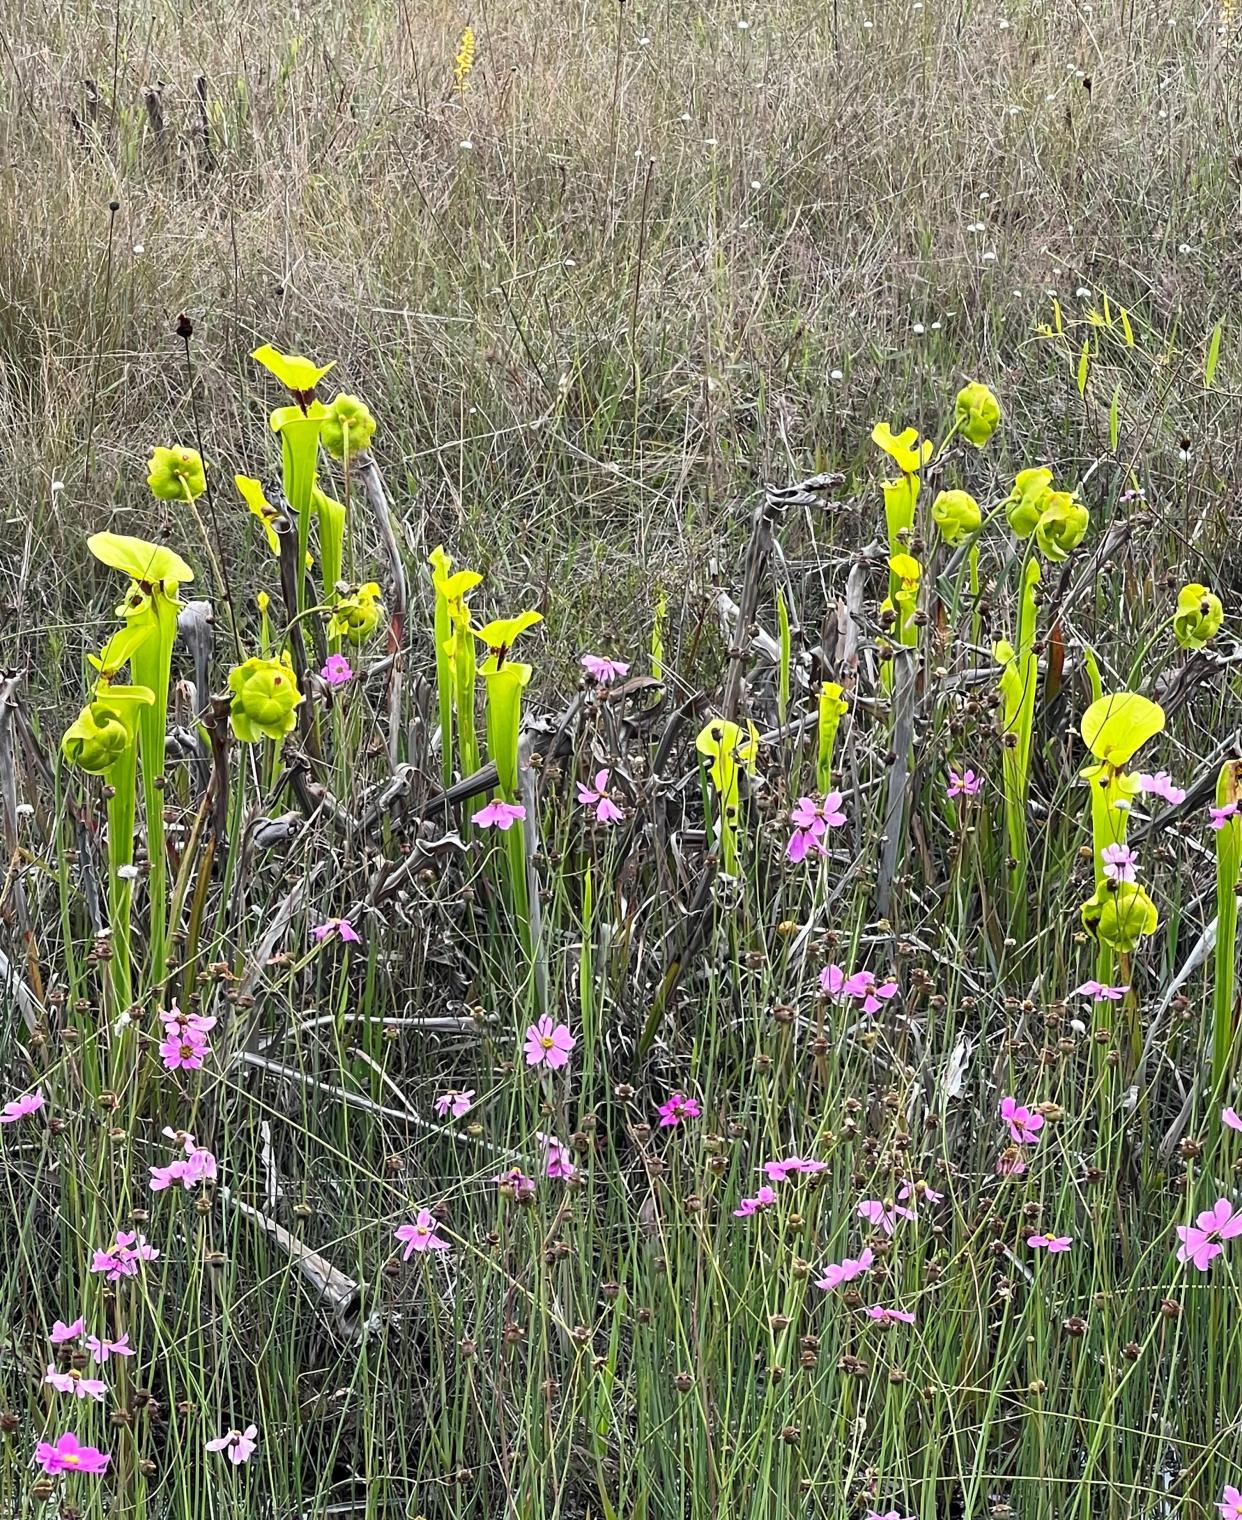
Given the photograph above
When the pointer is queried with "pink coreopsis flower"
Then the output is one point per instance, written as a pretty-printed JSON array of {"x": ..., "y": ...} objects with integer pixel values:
[
  {"x": 421, "y": 1235},
  {"x": 846, "y": 1271},
  {"x": 1119, "y": 861},
  {"x": 1160, "y": 784},
  {"x": 677, "y": 1107},
  {"x": 832, "y": 980},
  {"x": 548, "y": 1044},
  {"x": 1220, "y": 816},
  {"x": 337, "y": 670},
  {"x": 73, "y": 1382},
  {"x": 339, "y": 926},
  {"x": 763, "y": 1199},
  {"x": 777, "y": 1171},
  {"x": 889, "y": 1316},
  {"x": 66, "y": 1455},
  {"x": 811, "y": 820},
  {"x": 499, "y": 814},
  {"x": 1023, "y": 1124},
  {"x": 1099, "y": 992},
  {"x": 61, "y": 1332},
  {"x": 1053, "y": 1244},
  {"x": 101, "y": 1350},
  {"x": 1230, "y": 1504},
  {"x": 1010, "y": 1163},
  {"x": 515, "y": 1181},
  {"x": 185, "y": 1038},
  {"x": 239, "y": 1444},
  {"x": 1230, "y": 1118},
  {"x": 603, "y": 670},
  {"x": 455, "y": 1103},
  {"x": 21, "y": 1108},
  {"x": 964, "y": 784},
  {"x": 918, "y": 1191},
  {"x": 884, "y": 1215},
  {"x": 1201, "y": 1241},
  {"x": 871, "y": 994},
  {"x": 606, "y": 810}
]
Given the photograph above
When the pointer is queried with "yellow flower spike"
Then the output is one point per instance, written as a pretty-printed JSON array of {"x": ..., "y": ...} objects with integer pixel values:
[
  {"x": 265, "y": 699},
  {"x": 253, "y": 495},
  {"x": 904, "y": 448},
  {"x": 1199, "y": 616},
  {"x": 1026, "y": 502},
  {"x": 148, "y": 564},
  {"x": 500, "y": 634},
  {"x": 1062, "y": 525},
  {"x": 294, "y": 372},
  {"x": 464, "y": 61},
  {"x": 1119, "y": 914},
  {"x": 173, "y": 474},
  {"x": 1118, "y": 724},
  {"x": 976, "y": 413},
  {"x": 957, "y": 515}
]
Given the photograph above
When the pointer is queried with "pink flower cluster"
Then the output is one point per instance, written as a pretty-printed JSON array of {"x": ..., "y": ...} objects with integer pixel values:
[
  {"x": 122, "y": 1258},
  {"x": 195, "y": 1165},
  {"x": 185, "y": 1038},
  {"x": 860, "y": 985},
  {"x": 1203, "y": 1241},
  {"x": 777, "y": 1171},
  {"x": 811, "y": 821},
  {"x": 100, "y": 1348}
]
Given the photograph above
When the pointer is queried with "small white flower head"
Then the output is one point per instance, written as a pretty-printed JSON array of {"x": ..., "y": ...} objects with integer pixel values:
[
  {"x": 1082, "y": 293},
  {"x": 918, "y": 329},
  {"x": 466, "y": 145},
  {"x": 837, "y": 374}
]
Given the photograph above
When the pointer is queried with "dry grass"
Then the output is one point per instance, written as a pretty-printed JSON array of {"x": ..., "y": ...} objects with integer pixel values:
[{"x": 589, "y": 333}]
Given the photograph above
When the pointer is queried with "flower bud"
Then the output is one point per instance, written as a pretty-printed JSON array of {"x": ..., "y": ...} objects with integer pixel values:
[
  {"x": 976, "y": 413},
  {"x": 348, "y": 427},
  {"x": 956, "y": 514},
  {"x": 1198, "y": 617}
]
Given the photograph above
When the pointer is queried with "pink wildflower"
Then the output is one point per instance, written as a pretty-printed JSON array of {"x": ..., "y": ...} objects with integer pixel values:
[
  {"x": 73, "y": 1382},
  {"x": 1161, "y": 785},
  {"x": 1023, "y": 1124},
  {"x": 195, "y": 1165},
  {"x": 1201, "y": 1240},
  {"x": 1221, "y": 815},
  {"x": 456, "y": 1103},
  {"x": 677, "y": 1107},
  {"x": 1098, "y": 992},
  {"x": 516, "y": 1182},
  {"x": 421, "y": 1235},
  {"x": 1229, "y": 1117},
  {"x": 548, "y": 1044},
  {"x": 811, "y": 820},
  {"x": 918, "y": 1191},
  {"x": 889, "y": 1316},
  {"x": 964, "y": 784},
  {"x": 832, "y": 980},
  {"x": 1230, "y": 1504},
  {"x": 21, "y": 1108},
  {"x": 557, "y": 1162},
  {"x": 763, "y": 1199},
  {"x": 337, "y": 670},
  {"x": 846, "y": 1271},
  {"x": 1053, "y": 1244},
  {"x": 499, "y": 815},
  {"x": 61, "y": 1332},
  {"x": 884, "y": 1216},
  {"x": 604, "y": 670},
  {"x": 122, "y": 1258},
  {"x": 1010, "y": 1163},
  {"x": 1119, "y": 861},
  {"x": 606, "y": 810},
  {"x": 238, "y": 1443},
  {"x": 340, "y": 926},
  {"x": 68, "y": 1456},
  {"x": 889, "y": 1514},
  {"x": 777, "y": 1171},
  {"x": 864, "y": 987},
  {"x": 101, "y": 1350}
]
